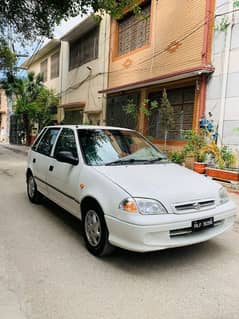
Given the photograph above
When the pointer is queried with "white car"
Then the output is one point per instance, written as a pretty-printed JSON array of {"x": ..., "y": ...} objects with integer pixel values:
[{"x": 124, "y": 190}]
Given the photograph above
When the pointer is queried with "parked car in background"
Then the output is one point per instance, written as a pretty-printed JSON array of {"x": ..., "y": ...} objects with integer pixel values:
[{"x": 125, "y": 191}]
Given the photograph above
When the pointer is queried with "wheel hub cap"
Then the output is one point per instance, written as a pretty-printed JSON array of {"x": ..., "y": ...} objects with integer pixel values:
[
  {"x": 93, "y": 228},
  {"x": 31, "y": 186}
]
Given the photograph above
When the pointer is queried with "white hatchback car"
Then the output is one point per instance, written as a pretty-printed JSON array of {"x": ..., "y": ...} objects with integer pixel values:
[{"x": 124, "y": 190}]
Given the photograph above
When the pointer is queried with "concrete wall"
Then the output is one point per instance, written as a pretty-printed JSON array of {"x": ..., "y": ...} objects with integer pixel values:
[
  {"x": 5, "y": 117},
  {"x": 53, "y": 84},
  {"x": 174, "y": 20},
  {"x": 223, "y": 86},
  {"x": 82, "y": 84}
]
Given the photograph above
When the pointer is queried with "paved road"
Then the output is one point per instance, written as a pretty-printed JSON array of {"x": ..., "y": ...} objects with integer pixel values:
[{"x": 46, "y": 273}]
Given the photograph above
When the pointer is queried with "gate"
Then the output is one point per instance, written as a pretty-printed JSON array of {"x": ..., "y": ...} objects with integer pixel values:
[{"x": 17, "y": 131}]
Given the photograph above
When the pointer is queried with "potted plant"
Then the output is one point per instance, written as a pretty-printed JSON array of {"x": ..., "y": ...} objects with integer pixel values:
[
  {"x": 195, "y": 142},
  {"x": 224, "y": 162},
  {"x": 177, "y": 157}
]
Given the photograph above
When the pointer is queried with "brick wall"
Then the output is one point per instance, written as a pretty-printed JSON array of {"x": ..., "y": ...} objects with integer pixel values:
[{"x": 170, "y": 21}]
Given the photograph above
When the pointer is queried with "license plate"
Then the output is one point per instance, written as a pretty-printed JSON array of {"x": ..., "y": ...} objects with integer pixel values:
[{"x": 202, "y": 224}]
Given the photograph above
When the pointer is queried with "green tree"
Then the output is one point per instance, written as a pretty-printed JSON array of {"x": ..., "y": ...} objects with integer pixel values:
[
  {"x": 41, "y": 107},
  {"x": 165, "y": 109},
  {"x": 7, "y": 57},
  {"x": 31, "y": 100},
  {"x": 166, "y": 116},
  {"x": 38, "y": 18}
]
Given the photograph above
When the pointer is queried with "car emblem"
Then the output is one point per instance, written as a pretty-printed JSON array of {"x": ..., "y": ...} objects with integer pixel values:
[{"x": 196, "y": 206}]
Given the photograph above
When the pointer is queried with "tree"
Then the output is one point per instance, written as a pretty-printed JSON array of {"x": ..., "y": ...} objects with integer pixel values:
[
  {"x": 7, "y": 57},
  {"x": 166, "y": 116},
  {"x": 38, "y": 18},
  {"x": 32, "y": 101},
  {"x": 41, "y": 107}
]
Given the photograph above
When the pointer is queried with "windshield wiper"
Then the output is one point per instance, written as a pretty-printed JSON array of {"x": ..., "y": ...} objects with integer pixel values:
[
  {"x": 126, "y": 161},
  {"x": 158, "y": 159}
]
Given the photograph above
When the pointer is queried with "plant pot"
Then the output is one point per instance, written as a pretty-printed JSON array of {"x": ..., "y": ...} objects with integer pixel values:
[
  {"x": 199, "y": 167},
  {"x": 223, "y": 174}
]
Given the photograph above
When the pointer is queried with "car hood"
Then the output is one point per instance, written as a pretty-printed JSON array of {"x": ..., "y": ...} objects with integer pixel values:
[{"x": 169, "y": 183}]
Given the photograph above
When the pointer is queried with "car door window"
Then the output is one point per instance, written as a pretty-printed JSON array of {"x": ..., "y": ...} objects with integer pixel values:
[
  {"x": 47, "y": 142},
  {"x": 66, "y": 142},
  {"x": 37, "y": 140}
]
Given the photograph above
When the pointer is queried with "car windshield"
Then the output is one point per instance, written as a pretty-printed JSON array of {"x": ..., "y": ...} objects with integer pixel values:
[{"x": 116, "y": 147}]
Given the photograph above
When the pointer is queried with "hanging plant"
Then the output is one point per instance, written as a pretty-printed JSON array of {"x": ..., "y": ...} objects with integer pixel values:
[{"x": 222, "y": 25}]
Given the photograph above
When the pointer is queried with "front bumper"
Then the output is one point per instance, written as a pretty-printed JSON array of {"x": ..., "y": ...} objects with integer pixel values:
[{"x": 172, "y": 231}]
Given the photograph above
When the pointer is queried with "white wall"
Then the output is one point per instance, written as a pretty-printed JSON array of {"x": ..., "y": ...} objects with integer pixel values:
[
  {"x": 53, "y": 84},
  {"x": 81, "y": 84},
  {"x": 223, "y": 86}
]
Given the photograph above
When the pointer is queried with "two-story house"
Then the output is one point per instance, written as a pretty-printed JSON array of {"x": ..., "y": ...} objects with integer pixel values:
[
  {"x": 76, "y": 67},
  {"x": 167, "y": 46}
]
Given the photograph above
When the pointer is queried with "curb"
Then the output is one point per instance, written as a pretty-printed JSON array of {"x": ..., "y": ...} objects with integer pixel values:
[{"x": 19, "y": 150}]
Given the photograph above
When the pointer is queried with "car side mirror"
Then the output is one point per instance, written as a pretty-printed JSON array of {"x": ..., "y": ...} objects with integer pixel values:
[{"x": 67, "y": 157}]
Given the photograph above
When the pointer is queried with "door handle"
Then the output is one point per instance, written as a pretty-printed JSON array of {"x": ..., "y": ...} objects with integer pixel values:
[
  {"x": 51, "y": 167},
  {"x": 34, "y": 160}
]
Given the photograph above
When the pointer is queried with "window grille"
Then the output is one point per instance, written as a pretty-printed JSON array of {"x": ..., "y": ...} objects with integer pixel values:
[
  {"x": 85, "y": 49},
  {"x": 43, "y": 70},
  {"x": 182, "y": 101},
  {"x": 134, "y": 31},
  {"x": 55, "y": 58},
  {"x": 116, "y": 114},
  {"x": 73, "y": 117}
]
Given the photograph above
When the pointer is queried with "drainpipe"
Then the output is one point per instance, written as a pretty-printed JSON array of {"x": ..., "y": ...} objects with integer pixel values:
[
  {"x": 225, "y": 72},
  {"x": 206, "y": 33},
  {"x": 202, "y": 98},
  {"x": 205, "y": 57}
]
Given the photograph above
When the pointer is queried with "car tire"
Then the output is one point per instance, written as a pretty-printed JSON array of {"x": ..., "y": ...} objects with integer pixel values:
[
  {"x": 32, "y": 192},
  {"x": 95, "y": 231}
]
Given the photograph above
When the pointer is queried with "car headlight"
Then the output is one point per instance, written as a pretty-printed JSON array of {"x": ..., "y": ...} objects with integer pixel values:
[
  {"x": 224, "y": 198},
  {"x": 143, "y": 206}
]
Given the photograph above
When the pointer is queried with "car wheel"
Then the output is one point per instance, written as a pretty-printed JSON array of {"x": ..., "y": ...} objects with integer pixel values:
[
  {"x": 95, "y": 232},
  {"x": 32, "y": 192}
]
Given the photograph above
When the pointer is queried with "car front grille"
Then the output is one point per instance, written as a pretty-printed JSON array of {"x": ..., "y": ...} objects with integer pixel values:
[{"x": 185, "y": 208}]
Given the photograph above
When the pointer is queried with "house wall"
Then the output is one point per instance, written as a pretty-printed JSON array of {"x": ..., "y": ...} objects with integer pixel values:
[
  {"x": 81, "y": 85},
  {"x": 53, "y": 84},
  {"x": 176, "y": 43},
  {"x": 222, "y": 93},
  {"x": 4, "y": 118}
]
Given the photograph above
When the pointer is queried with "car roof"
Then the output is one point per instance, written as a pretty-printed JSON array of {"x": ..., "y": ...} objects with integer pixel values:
[{"x": 90, "y": 127}]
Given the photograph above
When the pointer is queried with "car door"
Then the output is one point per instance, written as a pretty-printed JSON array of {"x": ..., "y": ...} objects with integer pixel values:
[
  {"x": 40, "y": 158},
  {"x": 63, "y": 178}
]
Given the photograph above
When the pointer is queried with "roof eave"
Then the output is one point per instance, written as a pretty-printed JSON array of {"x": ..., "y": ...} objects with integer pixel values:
[{"x": 170, "y": 77}]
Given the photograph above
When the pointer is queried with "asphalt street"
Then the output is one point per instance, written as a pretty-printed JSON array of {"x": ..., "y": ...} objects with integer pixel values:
[{"x": 46, "y": 272}]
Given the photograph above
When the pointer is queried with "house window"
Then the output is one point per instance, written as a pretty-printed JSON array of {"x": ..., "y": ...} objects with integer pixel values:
[
  {"x": 115, "y": 112},
  {"x": 85, "y": 49},
  {"x": 73, "y": 117},
  {"x": 43, "y": 70},
  {"x": 134, "y": 30},
  {"x": 182, "y": 101},
  {"x": 55, "y": 65}
]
